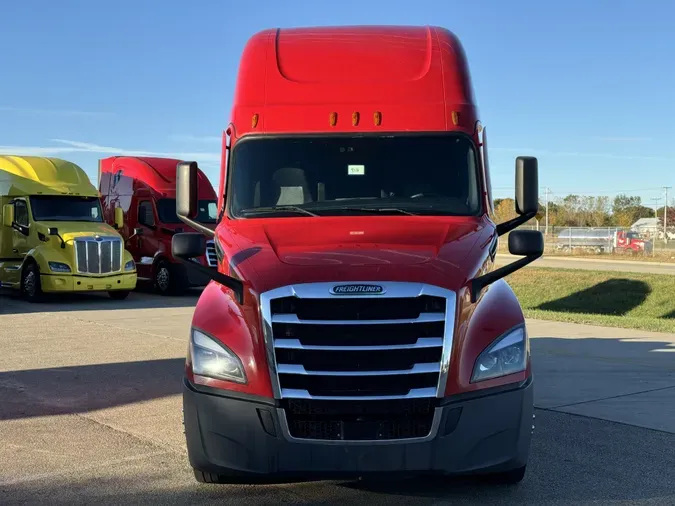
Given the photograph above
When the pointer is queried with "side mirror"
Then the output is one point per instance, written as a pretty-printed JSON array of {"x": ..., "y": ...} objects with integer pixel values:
[
  {"x": 527, "y": 185},
  {"x": 119, "y": 218},
  {"x": 527, "y": 193},
  {"x": 187, "y": 204},
  {"x": 53, "y": 231},
  {"x": 8, "y": 215},
  {"x": 527, "y": 243},
  {"x": 188, "y": 245},
  {"x": 186, "y": 189}
]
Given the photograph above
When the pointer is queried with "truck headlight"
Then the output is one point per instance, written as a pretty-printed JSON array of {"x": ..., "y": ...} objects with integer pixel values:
[
  {"x": 130, "y": 265},
  {"x": 506, "y": 355},
  {"x": 59, "y": 267},
  {"x": 213, "y": 359}
]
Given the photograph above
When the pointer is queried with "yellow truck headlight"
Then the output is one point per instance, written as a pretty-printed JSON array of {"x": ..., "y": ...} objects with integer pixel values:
[
  {"x": 130, "y": 266},
  {"x": 59, "y": 267}
]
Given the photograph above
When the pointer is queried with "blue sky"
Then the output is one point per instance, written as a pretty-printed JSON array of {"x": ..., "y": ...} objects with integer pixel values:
[{"x": 588, "y": 87}]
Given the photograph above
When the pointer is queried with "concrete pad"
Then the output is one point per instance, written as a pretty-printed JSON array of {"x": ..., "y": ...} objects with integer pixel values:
[
  {"x": 653, "y": 410},
  {"x": 45, "y": 446},
  {"x": 607, "y": 373}
]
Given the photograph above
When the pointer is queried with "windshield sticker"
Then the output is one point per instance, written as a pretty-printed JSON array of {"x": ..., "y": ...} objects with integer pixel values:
[{"x": 356, "y": 170}]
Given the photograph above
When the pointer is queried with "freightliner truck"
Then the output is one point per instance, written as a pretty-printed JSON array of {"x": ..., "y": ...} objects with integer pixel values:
[
  {"x": 53, "y": 238},
  {"x": 143, "y": 189},
  {"x": 356, "y": 324}
]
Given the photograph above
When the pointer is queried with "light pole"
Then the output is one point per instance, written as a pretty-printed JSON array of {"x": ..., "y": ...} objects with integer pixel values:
[{"x": 665, "y": 215}]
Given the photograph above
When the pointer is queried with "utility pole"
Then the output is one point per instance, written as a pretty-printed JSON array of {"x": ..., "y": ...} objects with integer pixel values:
[
  {"x": 665, "y": 215},
  {"x": 656, "y": 206},
  {"x": 546, "y": 226}
]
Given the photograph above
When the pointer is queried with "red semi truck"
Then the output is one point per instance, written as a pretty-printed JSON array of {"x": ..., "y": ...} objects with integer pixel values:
[
  {"x": 145, "y": 190},
  {"x": 356, "y": 324}
]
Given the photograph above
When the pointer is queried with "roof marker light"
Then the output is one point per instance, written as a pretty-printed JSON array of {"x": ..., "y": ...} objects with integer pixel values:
[
  {"x": 254, "y": 121},
  {"x": 377, "y": 118},
  {"x": 332, "y": 118},
  {"x": 355, "y": 118},
  {"x": 455, "y": 118}
]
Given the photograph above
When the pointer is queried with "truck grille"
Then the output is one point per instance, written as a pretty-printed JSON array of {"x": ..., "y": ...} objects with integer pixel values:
[
  {"x": 362, "y": 366},
  {"x": 101, "y": 255},
  {"x": 211, "y": 257}
]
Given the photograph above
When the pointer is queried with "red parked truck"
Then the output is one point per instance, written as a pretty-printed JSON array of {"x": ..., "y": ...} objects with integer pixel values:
[
  {"x": 356, "y": 324},
  {"x": 144, "y": 189}
]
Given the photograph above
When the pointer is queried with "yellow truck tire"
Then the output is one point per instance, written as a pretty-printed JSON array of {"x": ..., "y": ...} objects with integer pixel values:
[{"x": 31, "y": 287}]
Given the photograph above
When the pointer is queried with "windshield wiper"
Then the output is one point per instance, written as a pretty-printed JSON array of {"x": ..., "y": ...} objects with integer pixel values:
[
  {"x": 273, "y": 209},
  {"x": 377, "y": 210}
]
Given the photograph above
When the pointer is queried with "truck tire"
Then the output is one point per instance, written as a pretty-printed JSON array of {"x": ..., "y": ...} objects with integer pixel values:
[
  {"x": 31, "y": 287},
  {"x": 118, "y": 294},
  {"x": 168, "y": 278},
  {"x": 203, "y": 477},
  {"x": 511, "y": 477}
]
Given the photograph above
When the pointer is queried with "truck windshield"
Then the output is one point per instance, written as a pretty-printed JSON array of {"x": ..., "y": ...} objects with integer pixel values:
[
  {"x": 427, "y": 174},
  {"x": 65, "y": 208},
  {"x": 166, "y": 209}
]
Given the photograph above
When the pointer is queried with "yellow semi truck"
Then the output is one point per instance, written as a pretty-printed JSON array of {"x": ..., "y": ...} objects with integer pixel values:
[{"x": 53, "y": 237}]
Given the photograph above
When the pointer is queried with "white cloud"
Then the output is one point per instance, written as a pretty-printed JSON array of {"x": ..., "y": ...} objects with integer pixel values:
[
  {"x": 56, "y": 112},
  {"x": 68, "y": 146}
]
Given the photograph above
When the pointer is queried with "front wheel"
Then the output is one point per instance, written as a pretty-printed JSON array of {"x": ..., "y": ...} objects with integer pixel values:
[
  {"x": 118, "y": 294},
  {"x": 31, "y": 287},
  {"x": 168, "y": 279},
  {"x": 212, "y": 478}
]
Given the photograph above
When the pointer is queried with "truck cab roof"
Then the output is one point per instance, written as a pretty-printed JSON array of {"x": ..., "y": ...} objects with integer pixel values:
[
  {"x": 37, "y": 175},
  {"x": 415, "y": 78},
  {"x": 158, "y": 175}
]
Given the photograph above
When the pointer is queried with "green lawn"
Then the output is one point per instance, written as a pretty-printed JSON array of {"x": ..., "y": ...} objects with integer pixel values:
[{"x": 629, "y": 300}]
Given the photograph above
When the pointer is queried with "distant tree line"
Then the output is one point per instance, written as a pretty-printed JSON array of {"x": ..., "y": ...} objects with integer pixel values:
[{"x": 587, "y": 211}]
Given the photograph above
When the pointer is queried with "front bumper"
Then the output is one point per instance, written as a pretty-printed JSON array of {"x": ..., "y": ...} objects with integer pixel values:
[
  {"x": 75, "y": 283},
  {"x": 248, "y": 437}
]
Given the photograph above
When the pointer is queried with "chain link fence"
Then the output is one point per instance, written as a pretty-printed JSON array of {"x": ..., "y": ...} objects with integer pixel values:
[{"x": 583, "y": 241}]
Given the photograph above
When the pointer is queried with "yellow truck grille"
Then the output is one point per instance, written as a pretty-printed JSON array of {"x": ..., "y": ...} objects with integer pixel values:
[{"x": 98, "y": 255}]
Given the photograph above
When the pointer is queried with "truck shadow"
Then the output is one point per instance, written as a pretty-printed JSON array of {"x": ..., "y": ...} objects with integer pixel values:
[
  {"x": 84, "y": 388},
  {"x": 612, "y": 297},
  {"x": 142, "y": 298}
]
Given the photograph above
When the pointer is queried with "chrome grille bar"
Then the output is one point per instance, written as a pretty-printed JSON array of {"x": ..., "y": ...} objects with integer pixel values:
[
  {"x": 294, "y": 320},
  {"x": 102, "y": 255},
  {"x": 416, "y": 369},
  {"x": 295, "y": 344},
  {"x": 211, "y": 257},
  {"x": 282, "y": 343}
]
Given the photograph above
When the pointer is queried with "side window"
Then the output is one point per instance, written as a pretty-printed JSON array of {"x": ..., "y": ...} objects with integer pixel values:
[
  {"x": 145, "y": 215},
  {"x": 21, "y": 213}
]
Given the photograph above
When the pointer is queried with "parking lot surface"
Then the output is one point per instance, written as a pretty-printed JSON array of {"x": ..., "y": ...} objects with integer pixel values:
[{"x": 90, "y": 412}]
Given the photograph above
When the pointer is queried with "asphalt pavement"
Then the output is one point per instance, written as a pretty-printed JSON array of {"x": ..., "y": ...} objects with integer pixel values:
[
  {"x": 90, "y": 413},
  {"x": 593, "y": 264}
]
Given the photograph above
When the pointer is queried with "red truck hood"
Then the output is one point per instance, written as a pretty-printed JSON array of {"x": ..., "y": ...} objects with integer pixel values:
[{"x": 268, "y": 253}]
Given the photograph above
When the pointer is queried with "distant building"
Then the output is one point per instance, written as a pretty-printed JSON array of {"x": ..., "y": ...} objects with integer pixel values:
[{"x": 647, "y": 226}]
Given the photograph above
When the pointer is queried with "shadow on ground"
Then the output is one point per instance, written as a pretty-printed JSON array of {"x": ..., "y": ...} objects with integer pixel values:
[
  {"x": 574, "y": 460},
  {"x": 80, "y": 389},
  {"x": 141, "y": 298},
  {"x": 612, "y": 297}
]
